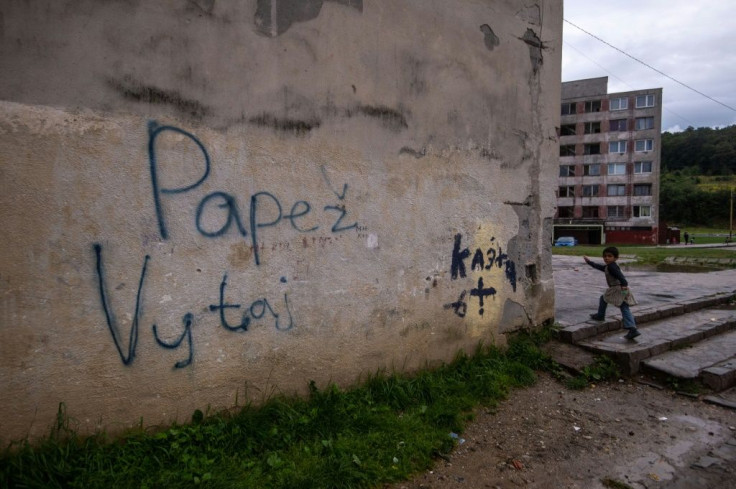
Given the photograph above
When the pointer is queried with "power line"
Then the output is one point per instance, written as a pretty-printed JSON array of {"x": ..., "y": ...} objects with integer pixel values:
[
  {"x": 623, "y": 81},
  {"x": 649, "y": 66}
]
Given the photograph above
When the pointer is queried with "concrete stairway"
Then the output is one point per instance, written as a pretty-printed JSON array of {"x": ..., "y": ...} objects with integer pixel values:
[{"x": 688, "y": 340}]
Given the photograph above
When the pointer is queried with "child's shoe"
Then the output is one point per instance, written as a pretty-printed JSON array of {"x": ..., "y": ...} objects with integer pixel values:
[
  {"x": 596, "y": 317},
  {"x": 633, "y": 333}
]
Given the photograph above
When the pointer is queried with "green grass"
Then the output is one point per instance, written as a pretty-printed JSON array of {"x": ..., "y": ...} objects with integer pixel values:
[
  {"x": 647, "y": 255},
  {"x": 382, "y": 431}
]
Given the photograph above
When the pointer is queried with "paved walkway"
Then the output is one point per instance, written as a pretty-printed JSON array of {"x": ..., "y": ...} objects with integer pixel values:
[{"x": 578, "y": 287}]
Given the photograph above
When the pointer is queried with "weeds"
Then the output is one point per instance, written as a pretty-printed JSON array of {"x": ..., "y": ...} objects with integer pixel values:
[
  {"x": 603, "y": 368},
  {"x": 382, "y": 431}
]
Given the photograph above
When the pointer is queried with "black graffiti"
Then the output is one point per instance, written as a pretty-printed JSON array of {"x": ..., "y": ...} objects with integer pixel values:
[
  {"x": 458, "y": 259},
  {"x": 187, "y": 320},
  {"x": 482, "y": 261},
  {"x": 460, "y": 306},
  {"x": 112, "y": 326},
  {"x": 260, "y": 309},
  {"x": 256, "y": 310},
  {"x": 481, "y": 292},
  {"x": 261, "y": 203}
]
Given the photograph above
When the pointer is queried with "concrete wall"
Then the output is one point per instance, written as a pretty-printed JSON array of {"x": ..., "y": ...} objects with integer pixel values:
[{"x": 206, "y": 202}]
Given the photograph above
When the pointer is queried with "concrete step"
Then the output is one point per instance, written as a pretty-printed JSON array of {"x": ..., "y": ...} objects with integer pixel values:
[
  {"x": 575, "y": 333},
  {"x": 712, "y": 360},
  {"x": 660, "y": 336}
]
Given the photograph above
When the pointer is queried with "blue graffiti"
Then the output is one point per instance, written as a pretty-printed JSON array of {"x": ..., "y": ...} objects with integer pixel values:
[
  {"x": 259, "y": 310},
  {"x": 482, "y": 261},
  {"x": 261, "y": 203}
]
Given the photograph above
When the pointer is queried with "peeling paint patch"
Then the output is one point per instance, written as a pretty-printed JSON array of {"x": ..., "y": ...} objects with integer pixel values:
[
  {"x": 535, "y": 48},
  {"x": 274, "y": 17},
  {"x": 489, "y": 37},
  {"x": 295, "y": 126},
  {"x": 136, "y": 91}
]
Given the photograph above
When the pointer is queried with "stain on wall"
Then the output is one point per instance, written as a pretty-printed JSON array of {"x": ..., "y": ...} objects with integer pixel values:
[
  {"x": 490, "y": 39},
  {"x": 200, "y": 210},
  {"x": 274, "y": 17}
]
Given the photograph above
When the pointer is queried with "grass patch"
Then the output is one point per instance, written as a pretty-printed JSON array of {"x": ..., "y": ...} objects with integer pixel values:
[
  {"x": 646, "y": 255},
  {"x": 615, "y": 484},
  {"x": 603, "y": 368},
  {"x": 383, "y": 431}
]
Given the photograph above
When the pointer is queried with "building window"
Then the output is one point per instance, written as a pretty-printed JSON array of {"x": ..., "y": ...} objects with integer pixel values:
[
  {"x": 590, "y": 212},
  {"x": 566, "y": 191},
  {"x": 642, "y": 211},
  {"x": 643, "y": 189},
  {"x": 616, "y": 212},
  {"x": 591, "y": 170},
  {"x": 643, "y": 123},
  {"x": 565, "y": 212},
  {"x": 592, "y": 127},
  {"x": 593, "y": 106},
  {"x": 590, "y": 190},
  {"x": 642, "y": 145},
  {"x": 620, "y": 103},
  {"x": 567, "y": 170},
  {"x": 644, "y": 101},
  {"x": 567, "y": 150},
  {"x": 568, "y": 108},
  {"x": 616, "y": 190},
  {"x": 643, "y": 167},
  {"x": 617, "y": 168},
  {"x": 567, "y": 130},
  {"x": 592, "y": 149},
  {"x": 617, "y": 125},
  {"x": 617, "y": 147}
]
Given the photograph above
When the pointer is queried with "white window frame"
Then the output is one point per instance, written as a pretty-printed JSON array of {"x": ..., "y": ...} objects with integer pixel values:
[
  {"x": 648, "y": 101},
  {"x": 647, "y": 186},
  {"x": 643, "y": 145},
  {"x": 621, "y": 103},
  {"x": 637, "y": 211},
  {"x": 639, "y": 167},
  {"x": 618, "y": 147},
  {"x": 648, "y": 123},
  {"x": 612, "y": 167}
]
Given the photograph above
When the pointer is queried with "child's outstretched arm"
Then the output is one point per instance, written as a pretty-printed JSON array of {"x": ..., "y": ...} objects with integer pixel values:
[{"x": 593, "y": 264}]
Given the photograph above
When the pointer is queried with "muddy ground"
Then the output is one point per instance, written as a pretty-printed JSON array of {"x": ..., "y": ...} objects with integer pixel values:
[{"x": 620, "y": 432}]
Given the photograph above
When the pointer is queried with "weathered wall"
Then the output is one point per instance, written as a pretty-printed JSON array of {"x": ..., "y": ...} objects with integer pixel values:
[{"x": 206, "y": 201}]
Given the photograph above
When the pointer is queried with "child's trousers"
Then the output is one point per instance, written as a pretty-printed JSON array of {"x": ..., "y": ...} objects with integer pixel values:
[{"x": 628, "y": 318}]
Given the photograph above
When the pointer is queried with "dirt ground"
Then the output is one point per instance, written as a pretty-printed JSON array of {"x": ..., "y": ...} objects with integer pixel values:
[{"x": 624, "y": 432}]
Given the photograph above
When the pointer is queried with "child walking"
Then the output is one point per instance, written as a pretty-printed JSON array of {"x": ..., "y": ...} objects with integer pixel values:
[{"x": 617, "y": 294}]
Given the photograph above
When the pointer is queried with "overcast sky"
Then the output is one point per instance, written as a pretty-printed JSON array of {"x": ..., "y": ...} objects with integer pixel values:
[{"x": 693, "y": 42}]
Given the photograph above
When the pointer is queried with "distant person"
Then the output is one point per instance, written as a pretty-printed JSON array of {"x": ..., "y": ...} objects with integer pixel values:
[
  {"x": 617, "y": 294},
  {"x": 687, "y": 238}
]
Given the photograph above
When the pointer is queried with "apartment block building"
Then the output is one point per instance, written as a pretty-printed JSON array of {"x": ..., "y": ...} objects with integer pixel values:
[{"x": 609, "y": 165}]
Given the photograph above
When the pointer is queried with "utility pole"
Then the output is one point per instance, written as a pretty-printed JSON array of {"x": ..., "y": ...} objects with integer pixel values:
[{"x": 730, "y": 220}]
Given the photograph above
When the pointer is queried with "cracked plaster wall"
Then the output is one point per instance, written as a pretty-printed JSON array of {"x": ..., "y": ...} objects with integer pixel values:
[{"x": 206, "y": 200}]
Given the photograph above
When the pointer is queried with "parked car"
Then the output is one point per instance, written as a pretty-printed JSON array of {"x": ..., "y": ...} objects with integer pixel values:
[{"x": 566, "y": 241}]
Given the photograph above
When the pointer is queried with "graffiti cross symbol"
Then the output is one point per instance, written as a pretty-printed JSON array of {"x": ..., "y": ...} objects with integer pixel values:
[{"x": 482, "y": 293}]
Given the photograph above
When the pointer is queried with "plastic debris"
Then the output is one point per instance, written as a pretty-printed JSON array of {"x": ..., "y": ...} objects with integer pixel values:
[
  {"x": 662, "y": 418},
  {"x": 576, "y": 428},
  {"x": 455, "y": 436}
]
